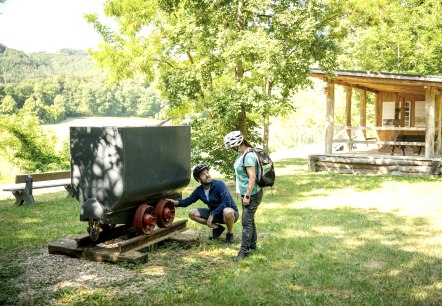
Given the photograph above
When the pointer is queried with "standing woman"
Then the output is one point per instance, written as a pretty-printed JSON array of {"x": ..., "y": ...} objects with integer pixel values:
[{"x": 246, "y": 167}]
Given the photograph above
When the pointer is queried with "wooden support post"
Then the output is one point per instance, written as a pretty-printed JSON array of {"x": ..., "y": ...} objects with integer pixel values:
[
  {"x": 429, "y": 119},
  {"x": 378, "y": 109},
  {"x": 349, "y": 91},
  {"x": 377, "y": 113},
  {"x": 363, "y": 112},
  {"x": 396, "y": 110},
  {"x": 330, "y": 116},
  {"x": 439, "y": 126}
]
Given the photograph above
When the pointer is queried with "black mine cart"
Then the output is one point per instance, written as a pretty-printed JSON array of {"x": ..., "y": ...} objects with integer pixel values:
[{"x": 123, "y": 175}]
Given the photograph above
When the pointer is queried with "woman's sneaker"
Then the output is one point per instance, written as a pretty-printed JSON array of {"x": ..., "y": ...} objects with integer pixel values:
[{"x": 241, "y": 255}]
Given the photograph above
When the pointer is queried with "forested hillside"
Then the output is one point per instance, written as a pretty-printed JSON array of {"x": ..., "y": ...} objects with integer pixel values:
[
  {"x": 41, "y": 88},
  {"x": 16, "y": 66},
  {"x": 53, "y": 87}
]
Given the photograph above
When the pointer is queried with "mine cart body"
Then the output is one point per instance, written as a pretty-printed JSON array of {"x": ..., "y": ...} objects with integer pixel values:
[{"x": 114, "y": 169}]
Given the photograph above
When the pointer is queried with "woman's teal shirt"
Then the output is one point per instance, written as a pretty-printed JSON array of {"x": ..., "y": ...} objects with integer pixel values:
[{"x": 242, "y": 179}]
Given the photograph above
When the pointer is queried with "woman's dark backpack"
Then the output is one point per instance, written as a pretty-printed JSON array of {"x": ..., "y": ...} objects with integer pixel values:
[{"x": 266, "y": 171}]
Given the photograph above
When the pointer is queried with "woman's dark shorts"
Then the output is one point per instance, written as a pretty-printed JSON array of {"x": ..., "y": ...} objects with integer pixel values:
[{"x": 205, "y": 213}]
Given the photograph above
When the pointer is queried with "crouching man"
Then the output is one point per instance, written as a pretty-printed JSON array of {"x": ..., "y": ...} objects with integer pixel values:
[{"x": 221, "y": 207}]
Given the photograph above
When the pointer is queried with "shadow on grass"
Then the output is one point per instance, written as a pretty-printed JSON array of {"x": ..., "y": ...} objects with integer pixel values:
[
  {"x": 341, "y": 256},
  {"x": 352, "y": 255}
]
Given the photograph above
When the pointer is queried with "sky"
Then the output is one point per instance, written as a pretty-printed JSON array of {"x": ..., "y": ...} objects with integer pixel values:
[{"x": 48, "y": 25}]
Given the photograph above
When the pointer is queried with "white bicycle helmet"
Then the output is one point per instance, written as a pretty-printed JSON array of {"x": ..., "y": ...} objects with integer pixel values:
[{"x": 233, "y": 139}]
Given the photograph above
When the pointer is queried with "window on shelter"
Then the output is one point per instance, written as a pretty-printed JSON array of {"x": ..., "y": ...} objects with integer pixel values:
[
  {"x": 407, "y": 113},
  {"x": 419, "y": 111},
  {"x": 388, "y": 113}
]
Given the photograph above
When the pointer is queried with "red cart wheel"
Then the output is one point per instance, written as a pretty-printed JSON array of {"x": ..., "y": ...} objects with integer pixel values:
[
  {"x": 165, "y": 211},
  {"x": 145, "y": 219}
]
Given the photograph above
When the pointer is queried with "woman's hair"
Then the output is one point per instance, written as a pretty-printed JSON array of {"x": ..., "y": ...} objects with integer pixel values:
[{"x": 246, "y": 143}]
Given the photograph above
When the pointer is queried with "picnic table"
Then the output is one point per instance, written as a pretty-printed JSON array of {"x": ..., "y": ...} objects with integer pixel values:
[{"x": 403, "y": 141}]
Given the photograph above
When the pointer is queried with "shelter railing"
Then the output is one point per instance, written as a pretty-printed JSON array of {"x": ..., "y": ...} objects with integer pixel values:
[{"x": 369, "y": 135}]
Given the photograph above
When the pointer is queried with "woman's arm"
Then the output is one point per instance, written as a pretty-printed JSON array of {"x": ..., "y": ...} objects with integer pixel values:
[{"x": 252, "y": 179}]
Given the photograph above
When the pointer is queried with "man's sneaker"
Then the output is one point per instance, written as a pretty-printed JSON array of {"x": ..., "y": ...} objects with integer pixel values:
[
  {"x": 241, "y": 255},
  {"x": 229, "y": 238},
  {"x": 216, "y": 232}
]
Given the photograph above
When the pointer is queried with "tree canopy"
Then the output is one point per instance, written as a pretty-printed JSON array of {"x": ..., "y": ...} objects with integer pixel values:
[
  {"x": 393, "y": 36},
  {"x": 225, "y": 64},
  {"x": 24, "y": 144},
  {"x": 220, "y": 65}
]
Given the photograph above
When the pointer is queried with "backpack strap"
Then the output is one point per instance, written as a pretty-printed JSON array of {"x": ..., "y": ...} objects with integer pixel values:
[
  {"x": 244, "y": 158},
  {"x": 250, "y": 150}
]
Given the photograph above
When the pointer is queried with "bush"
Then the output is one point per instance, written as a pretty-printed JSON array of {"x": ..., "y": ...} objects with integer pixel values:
[{"x": 27, "y": 146}]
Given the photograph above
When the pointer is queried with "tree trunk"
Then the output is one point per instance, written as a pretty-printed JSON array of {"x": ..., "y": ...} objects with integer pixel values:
[
  {"x": 242, "y": 121},
  {"x": 242, "y": 115},
  {"x": 349, "y": 93},
  {"x": 265, "y": 136},
  {"x": 239, "y": 70},
  {"x": 266, "y": 118}
]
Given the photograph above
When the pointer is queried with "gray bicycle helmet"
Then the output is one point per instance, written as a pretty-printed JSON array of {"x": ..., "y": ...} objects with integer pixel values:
[{"x": 198, "y": 169}]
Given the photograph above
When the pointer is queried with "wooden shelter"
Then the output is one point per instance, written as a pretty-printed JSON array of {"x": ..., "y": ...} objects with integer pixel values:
[{"x": 407, "y": 121}]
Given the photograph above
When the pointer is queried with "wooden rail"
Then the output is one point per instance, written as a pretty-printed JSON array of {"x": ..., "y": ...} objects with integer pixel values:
[
  {"x": 387, "y": 142},
  {"x": 380, "y": 128},
  {"x": 402, "y": 141}
]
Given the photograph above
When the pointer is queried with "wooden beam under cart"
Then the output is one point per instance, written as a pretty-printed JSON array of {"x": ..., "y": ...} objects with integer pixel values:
[{"x": 134, "y": 250}]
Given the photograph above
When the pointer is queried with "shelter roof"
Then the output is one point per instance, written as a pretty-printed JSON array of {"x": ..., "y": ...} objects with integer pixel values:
[{"x": 380, "y": 81}]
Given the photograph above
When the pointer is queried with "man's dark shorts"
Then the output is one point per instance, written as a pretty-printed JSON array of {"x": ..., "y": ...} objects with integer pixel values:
[{"x": 205, "y": 213}]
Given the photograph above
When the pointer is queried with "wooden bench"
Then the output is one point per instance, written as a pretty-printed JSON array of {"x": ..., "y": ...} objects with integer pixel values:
[
  {"x": 25, "y": 183},
  {"x": 403, "y": 141}
]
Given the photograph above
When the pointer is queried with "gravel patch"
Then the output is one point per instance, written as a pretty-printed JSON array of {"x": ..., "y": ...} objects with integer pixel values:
[{"x": 43, "y": 275}]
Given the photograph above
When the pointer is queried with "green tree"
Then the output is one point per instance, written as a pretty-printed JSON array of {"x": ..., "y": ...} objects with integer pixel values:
[
  {"x": 71, "y": 88},
  {"x": 150, "y": 103},
  {"x": 56, "y": 111},
  {"x": 87, "y": 100},
  {"x": 230, "y": 62},
  {"x": 20, "y": 92},
  {"x": 27, "y": 146},
  {"x": 127, "y": 93},
  {"x": 34, "y": 106},
  {"x": 105, "y": 101},
  {"x": 393, "y": 36},
  {"x": 8, "y": 105}
]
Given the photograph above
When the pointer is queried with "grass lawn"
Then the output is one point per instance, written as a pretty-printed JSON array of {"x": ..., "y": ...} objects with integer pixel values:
[{"x": 325, "y": 239}]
